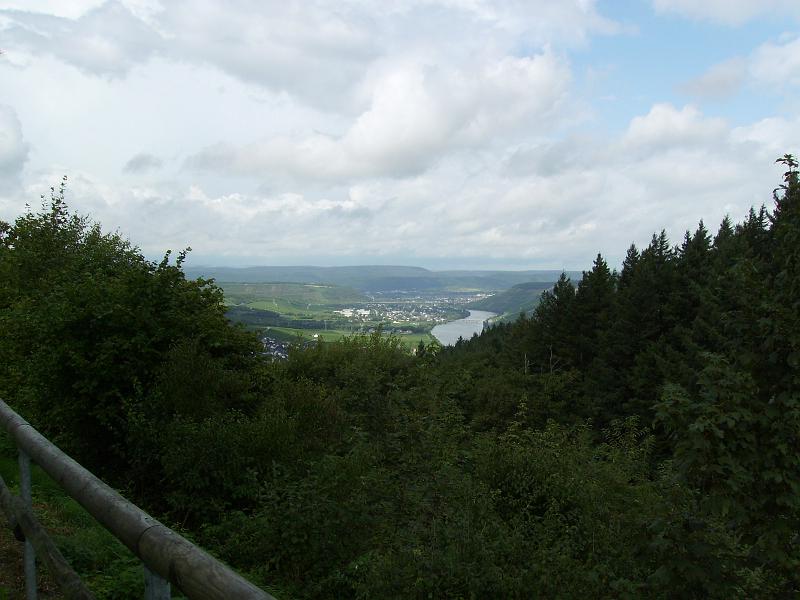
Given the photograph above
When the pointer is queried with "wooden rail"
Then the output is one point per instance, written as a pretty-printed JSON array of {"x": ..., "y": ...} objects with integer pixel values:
[{"x": 197, "y": 574}]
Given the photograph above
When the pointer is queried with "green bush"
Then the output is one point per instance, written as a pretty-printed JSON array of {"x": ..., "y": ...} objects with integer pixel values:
[{"x": 88, "y": 327}]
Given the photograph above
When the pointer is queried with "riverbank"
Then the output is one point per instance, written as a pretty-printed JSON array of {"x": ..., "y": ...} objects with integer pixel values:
[{"x": 449, "y": 333}]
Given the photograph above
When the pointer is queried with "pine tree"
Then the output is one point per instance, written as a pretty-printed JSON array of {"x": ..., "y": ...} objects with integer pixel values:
[
  {"x": 551, "y": 335},
  {"x": 594, "y": 301}
]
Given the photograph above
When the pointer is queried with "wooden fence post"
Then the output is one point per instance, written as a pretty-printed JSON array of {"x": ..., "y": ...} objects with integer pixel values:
[
  {"x": 155, "y": 586},
  {"x": 31, "y": 592}
]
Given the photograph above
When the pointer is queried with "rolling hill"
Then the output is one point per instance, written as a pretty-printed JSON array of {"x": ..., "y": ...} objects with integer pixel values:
[
  {"x": 382, "y": 278},
  {"x": 520, "y": 298},
  {"x": 301, "y": 294}
]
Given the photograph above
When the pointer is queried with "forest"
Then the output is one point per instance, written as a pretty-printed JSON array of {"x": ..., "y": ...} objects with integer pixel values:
[{"x": 636, "y": 435}]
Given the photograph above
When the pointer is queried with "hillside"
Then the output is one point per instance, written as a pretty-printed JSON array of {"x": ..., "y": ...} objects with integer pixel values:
[
  {"x": 380, "y": 278},
  {"x": 521, "y": 298},
  {"x": 294, "y": 293}
]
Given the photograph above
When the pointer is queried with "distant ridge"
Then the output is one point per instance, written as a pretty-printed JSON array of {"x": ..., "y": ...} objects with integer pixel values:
[
  {"x": 521, "y": 298},
  {"x": 380, "y": 278}
]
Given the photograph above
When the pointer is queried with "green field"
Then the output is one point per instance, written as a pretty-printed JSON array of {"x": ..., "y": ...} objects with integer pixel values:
[
  {"x": 296, "y": 301},
  {"x": 288, "y": 311},
  {"x": 288, "y": 308},
  {"x": 292, "y": 294},
  {"x": 288, "y": 334},
  {"x": 291, "y": 334}
]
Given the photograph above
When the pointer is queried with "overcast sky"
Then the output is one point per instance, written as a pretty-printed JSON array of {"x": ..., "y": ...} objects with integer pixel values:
[{"x": 450, "y": 134}]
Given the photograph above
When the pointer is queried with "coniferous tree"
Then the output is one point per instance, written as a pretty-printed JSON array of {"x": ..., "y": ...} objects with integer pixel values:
[
  {"x": 594, "y": 300},
  {"x": 551, "y": 335}
]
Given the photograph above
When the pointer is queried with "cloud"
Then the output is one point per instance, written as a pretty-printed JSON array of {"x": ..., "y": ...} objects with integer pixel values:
[
  {"x": 777, "y": 65},
  {"x": 316, "y": 55},
  {"x": 668, "y": 169},
  {"x": 769, "y": 138},
  {"x": 13, "y": 148},
  {"x": 720, "y": 81},
  {"x": 317, "y": 52},
  {"x": 72, "y": 9},
  {"x": 413, "y": 129},
  {"x": 169, "y": 215},
  {"x": 666, "y": 127},
  {"x": 728, "y": 12},
  {"x": 107, "y": 40},
  {"x": 549, "y": 158},
  {"x": 538, "y": 21},
  {"x": 142, "y": 162},
  {"x": 417, "y": 112},
  {"x": 773, "y": 65},
  {"x": 313, "y": 54}
]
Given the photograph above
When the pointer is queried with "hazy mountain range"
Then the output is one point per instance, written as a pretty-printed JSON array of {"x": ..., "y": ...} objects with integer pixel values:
[{"x": 381, "y": 278}]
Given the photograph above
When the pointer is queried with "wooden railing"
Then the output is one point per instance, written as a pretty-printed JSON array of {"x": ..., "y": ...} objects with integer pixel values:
[{"x": 167, "y": 556}]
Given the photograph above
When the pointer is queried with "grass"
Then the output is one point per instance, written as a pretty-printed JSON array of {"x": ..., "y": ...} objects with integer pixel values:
[
  {"x": 412, "y": 340},
  {"x": 284, "y": 307},
  {"x": 297, "y": 294},
  {"x": 107, "y": 567},
  {"x": 289, "y": 334},
  {"x": 306, "y": 308},
  {"x": 12, "y": 585}
]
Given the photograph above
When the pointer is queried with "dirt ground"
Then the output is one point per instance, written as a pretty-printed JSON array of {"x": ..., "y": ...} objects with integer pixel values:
[
  {"x": 11, "y": 578},
  {"x": 12, "y": 584}
]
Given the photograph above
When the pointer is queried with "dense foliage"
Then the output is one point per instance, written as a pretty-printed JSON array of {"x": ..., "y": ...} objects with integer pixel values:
[
  {"x": 637, "y": 436},
  {"x": 96, "y": 339}
]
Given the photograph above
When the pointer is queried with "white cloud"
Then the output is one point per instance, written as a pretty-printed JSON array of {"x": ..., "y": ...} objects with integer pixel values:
[
  {"x": 777, "y": 64},
  {"x": 768, "y": 138},
  {"x": 770, "y": 67},
  {"x": 315, "y": 54},
  {"x": 417, "y": 112},
  {"x": 670, "y": 168},
  {"x": 280, "y": 46},
  {"x": 415, "y": 129},
  {"x": 540, "y": 21},
  {"x": 720, "y": 81},
  {"x": 729, "y": 12},
  {"x": 666, "y": 127},
  {"x": 13, "y": 148},
  {"x": 107, "y": 40},
  {"x": 142, "y": 162},
  {"x": 318, "y": 52},
  {"x": 71, "y": 9}
]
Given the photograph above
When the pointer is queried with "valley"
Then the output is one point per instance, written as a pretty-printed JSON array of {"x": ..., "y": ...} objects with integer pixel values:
[{"x": 407, "y": 302}]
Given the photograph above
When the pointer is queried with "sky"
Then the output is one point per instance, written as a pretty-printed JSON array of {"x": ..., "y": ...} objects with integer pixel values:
[{"x": 518, "y": 134}]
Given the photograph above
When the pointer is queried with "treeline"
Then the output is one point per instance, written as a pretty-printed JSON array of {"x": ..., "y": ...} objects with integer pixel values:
[
  {"x": 258, "y": 318},
  {"x": 254, "y": 318},
  {"x": 637, "y": 436}
]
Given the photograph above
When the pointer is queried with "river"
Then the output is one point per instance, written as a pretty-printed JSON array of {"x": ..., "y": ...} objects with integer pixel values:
[{"x": 448, "y": 333}]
